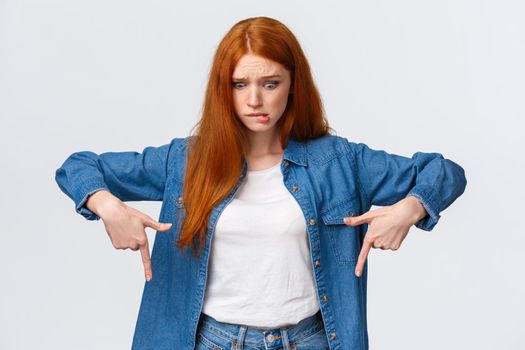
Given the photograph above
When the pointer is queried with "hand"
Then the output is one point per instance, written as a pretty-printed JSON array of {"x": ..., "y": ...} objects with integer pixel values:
[
  {"x": 387, "y": 226},
  {"x": 126, "y": 229}
]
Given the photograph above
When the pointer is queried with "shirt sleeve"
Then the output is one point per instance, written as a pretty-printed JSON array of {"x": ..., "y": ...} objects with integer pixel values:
[
  {"x": 387, "y": 178},
  {"x": 128, "y": 175}
]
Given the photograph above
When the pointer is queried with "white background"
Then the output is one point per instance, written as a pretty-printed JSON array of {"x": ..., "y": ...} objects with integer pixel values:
[{"x": 404, "y": 76}]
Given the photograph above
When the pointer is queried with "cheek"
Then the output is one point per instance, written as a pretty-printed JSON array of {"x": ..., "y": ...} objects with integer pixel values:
[{"x": 280, "y": 100}]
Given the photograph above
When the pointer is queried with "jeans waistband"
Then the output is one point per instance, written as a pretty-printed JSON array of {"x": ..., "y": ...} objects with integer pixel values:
[{"x": 256, "y": 337}]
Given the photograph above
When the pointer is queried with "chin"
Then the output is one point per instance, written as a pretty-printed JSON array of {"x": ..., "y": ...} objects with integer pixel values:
[{"x": 260, "y": 128}]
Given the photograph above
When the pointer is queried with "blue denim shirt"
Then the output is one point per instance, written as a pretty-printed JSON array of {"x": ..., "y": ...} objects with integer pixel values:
[{"x": 331, "y": 178}]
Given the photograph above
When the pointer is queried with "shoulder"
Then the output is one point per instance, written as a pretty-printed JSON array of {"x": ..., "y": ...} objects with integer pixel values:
[
  {"x": 326, "y": 148},
  {"x": 178, "y": 145},
  {"x": 177, "y": 154}
]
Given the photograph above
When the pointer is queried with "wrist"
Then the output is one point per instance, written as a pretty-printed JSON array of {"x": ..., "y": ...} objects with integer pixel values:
[
  {"x": 103, "y": 203},
  {"x": 417, "y": 209}
]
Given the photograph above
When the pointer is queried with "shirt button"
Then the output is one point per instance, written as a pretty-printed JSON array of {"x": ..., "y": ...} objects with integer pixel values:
[
  {"x": 295, "y": 188},
  {"x": 312, "y": 222},
  {"x": 332, "y": 336},
  {"x": 180, "y": 200},
  {"x": 317, "y": 263},
  {"x": 286, "y": 164},
  {"x": 325, "y": 298}
]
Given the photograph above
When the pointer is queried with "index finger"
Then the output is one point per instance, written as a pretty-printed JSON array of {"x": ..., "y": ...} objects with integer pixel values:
[
  {"x": 146, "y": 260},
  {"x": 361, "y": 219},
  {"x": 362, "y": 258}
]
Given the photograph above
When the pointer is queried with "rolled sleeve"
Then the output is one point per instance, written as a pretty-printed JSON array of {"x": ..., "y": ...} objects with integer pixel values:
[
  {"x": 84, "y": 191},
  {"x": 387, "y": 178},
  {"x": 128, "y": 175},
  {"x": 429, "y": 200}
]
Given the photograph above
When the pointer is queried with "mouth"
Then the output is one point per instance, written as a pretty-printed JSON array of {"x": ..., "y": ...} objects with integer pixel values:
[{"x": 259, "y": 117}]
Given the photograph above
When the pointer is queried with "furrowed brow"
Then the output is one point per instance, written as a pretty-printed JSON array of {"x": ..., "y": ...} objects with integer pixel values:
[{"x": 265, "y": 77}]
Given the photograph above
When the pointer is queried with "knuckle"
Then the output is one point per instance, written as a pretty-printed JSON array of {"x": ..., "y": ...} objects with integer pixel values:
[
  {"x": 141, "y": 241},
  {"x": 137, "y": 221}
]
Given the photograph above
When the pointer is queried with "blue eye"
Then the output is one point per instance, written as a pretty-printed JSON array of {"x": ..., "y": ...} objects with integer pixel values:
[
  {"x": 272, "y": 83},
  {"x": 235, "y": 85}
]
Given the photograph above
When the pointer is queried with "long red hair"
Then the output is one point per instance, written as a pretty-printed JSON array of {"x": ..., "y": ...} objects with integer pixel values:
[{"x": 217, "y": 147}]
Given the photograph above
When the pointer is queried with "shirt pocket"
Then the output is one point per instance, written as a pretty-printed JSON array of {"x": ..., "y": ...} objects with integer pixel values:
[{"x": 344, "y": 240}]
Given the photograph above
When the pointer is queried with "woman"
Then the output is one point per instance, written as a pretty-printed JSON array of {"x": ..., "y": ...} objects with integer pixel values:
[{"x": 285, "y": 201}]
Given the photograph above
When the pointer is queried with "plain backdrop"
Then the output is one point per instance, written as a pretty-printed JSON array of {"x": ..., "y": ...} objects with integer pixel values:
[{"x": 404, "y": 76}]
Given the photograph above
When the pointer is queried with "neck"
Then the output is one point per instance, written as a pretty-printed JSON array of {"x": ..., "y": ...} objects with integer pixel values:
[{"x": 261, "y": 144}]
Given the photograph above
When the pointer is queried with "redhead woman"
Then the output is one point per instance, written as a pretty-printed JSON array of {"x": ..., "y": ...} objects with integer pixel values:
[{"x": 265, "y": 224}]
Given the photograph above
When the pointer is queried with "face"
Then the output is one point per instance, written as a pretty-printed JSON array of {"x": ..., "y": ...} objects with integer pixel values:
[{"x": 260, "y": 90}]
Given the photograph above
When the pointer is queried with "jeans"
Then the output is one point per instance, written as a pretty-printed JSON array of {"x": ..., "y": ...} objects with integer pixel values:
[{"x": 308, "y": 334}]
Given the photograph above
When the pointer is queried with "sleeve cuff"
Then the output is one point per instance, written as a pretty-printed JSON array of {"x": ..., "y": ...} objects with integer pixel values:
[
  {"x": 430, "y": 201},
  {"x": 85, "y": 191}
]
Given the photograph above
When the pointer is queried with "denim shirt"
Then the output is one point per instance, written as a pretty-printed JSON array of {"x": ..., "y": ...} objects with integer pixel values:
[{"x": 330, "y": 177}]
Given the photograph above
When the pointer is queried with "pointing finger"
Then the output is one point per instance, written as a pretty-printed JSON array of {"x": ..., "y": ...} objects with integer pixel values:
[
  {"x": 358, "y": 220},
  {"x": 164, "y": 227},
  {"x": 146, "y": 260},
  {"x": 362, "y": 258},
  {"x": 149, "y": 222}
]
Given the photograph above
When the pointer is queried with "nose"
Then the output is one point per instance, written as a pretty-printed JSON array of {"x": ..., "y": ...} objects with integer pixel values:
[{"x": 254, "y": 98}]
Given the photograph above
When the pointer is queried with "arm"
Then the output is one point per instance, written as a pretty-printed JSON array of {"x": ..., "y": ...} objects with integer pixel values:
[
  {"x": 394, "y": 181},
  {"x": 129, "y": 176},
  {"x": 388, "y": 178}
]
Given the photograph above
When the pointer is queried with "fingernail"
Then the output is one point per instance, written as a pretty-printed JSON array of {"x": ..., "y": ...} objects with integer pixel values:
[
  {"x": 148, "y": 278},
  {"x": 358, "y": 273},
  {"x": 346, "y": 220}
]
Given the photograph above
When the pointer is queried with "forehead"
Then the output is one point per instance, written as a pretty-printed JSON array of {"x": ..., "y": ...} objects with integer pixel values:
[{"x": 253, "y": 65}]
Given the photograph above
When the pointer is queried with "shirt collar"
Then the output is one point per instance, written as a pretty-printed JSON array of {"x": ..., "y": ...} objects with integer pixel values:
[{"x": 295, "y": 151}]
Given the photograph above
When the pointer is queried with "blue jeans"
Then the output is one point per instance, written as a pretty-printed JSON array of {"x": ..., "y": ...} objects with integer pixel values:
[{"x": 308, "y": 334}]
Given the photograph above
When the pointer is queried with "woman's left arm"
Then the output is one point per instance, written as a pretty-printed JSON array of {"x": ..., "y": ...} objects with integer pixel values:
[{"x": 412, "y": 191}]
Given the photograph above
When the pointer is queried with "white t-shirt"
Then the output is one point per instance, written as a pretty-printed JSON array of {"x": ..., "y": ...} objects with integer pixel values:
[{"x": 260, "y": 273}]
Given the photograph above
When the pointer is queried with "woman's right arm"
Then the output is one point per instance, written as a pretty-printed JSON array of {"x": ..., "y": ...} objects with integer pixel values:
[
  {"x": 99, "y": 185},
  {"x": 129, "y": 176}
]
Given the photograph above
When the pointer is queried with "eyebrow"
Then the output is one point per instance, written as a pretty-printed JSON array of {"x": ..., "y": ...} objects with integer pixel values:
[{"x": 265, "y": 77}]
